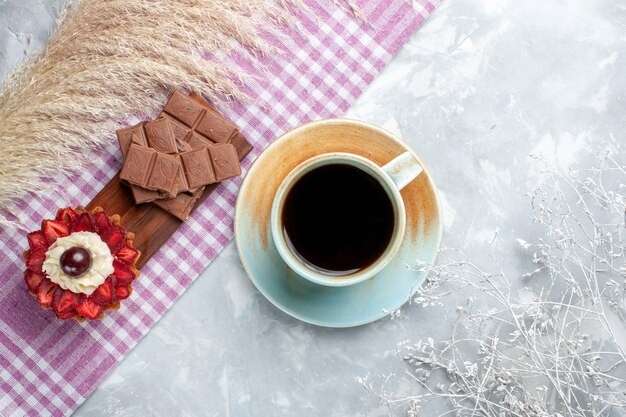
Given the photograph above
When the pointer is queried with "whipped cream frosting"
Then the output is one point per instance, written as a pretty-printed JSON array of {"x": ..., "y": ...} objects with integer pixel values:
[{"x": 101, "y": 262}]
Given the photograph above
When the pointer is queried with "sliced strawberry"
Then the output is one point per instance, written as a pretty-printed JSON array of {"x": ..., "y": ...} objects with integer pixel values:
[
  {"x": 89, "y": 308},
  {"x": 37, "y": 241},
  {"x": 114, "y": 238},
  {"x": 34, "y": 260},
  {"x": 103, "y": 295},
  {"x": 127, "y": 254},
  {"x": 54, "y": 229},
  {"x": 101, "y": 221},
  {"x": 83, "y": 223},
  {"x": 66, "y": 315},
  {"x": 122, "y": 292},
  {"x": 57, "y": 297},
  {"x": 66, "y": 300},
  {"x": 33, "y": 279},
  {"x": 123, "y": 274},
  {"x": 45, "y": 292},
  {"x": 66, "y": 215}
]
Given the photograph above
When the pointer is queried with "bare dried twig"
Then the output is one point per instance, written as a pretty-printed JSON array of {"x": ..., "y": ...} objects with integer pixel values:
[{"x": 546, "y": 343}]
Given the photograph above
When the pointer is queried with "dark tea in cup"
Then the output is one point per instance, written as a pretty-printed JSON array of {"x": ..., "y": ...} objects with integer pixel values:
[{"x": 338, "y": 219}]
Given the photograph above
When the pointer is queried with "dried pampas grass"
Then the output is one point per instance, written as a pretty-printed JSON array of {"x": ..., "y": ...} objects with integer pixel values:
[{"x": 109, "y": 60}]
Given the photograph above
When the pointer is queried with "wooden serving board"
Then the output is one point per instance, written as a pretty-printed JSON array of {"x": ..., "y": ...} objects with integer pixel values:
[{"x": 151, "y": 225}]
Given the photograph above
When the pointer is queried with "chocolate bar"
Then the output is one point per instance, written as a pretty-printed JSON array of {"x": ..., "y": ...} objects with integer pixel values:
[
  {"x": 204, "y": 165},
  {"x": 170, "y": 160},
  {"x": 198, "y": 122}
]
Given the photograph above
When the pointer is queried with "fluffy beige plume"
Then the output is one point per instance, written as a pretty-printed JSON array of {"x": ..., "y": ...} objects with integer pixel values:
[{"x": 109, "y": 60}]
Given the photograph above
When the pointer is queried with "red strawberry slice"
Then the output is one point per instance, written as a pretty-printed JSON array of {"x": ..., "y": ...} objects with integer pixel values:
[
  {"x": 33, "y": 279},
  {"x": 45, "y": 292},
  {"x": 37, "y": 241},
  {"x": 66, "y": 215},
  {"x": 127, "y": 254},
  {"x": 103, "y": 295},
  {"x": 123, "y": 274},
  {"x": 54, "y": 229},
  {"x": 66, "y": 300},
  {"x": 89, "y": 308},
  {"x": 83, "y": 223},
  {"x": 66, "y": 315},
  {"x": 35, "y": 260},
  {"x": 102, "y": 222},
  {"x": 122, "y": 292},
  {"x": 115, "y": 238}
]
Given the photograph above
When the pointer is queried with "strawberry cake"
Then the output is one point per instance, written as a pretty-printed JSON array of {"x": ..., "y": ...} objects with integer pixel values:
[{"x": 81, "y": 264}]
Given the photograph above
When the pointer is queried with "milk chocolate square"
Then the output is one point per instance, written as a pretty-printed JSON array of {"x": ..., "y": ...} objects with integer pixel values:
[
  {"x": 225, "y": 161},
  {"x": 183, "y": 108},
  {"x": 125, "y": 137},
  {"x": 160, "y": 135},
  {"x": 164, "y": 173},
  {"x": 197, "y": 168},
  {"x": 216, "y": 127},
  {"x": 138, "y": 164}
]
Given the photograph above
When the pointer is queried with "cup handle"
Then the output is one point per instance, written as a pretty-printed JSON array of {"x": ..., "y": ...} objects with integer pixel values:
[{"x": 403, "y": 169}]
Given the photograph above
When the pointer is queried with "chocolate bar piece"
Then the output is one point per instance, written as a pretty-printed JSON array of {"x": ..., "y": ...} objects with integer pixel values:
[
  {"x": 164, "y": 174},
  {"x": 215, "y": 126},
  {"x": 225, "y": 161},
  {"x": 133, "y": 134},
  {"x": 198, "y": 121},
  {"x": 197, "y": 168},
  {"x": 138, "y": 165},
  {"x": 161, "y": 135},
  {"x": 183, "y": 108}
]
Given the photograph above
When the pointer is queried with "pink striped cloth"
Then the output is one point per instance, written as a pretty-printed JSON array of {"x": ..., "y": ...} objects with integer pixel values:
[{"x": 49, "y": 366}]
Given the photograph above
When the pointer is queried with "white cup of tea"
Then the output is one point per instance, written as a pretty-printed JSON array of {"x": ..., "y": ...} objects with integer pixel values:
[{"x": 338, "y": 219}]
